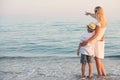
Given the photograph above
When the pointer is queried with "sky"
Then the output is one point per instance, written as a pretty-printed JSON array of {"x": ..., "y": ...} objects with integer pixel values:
[{"x": 56, "y": 8}]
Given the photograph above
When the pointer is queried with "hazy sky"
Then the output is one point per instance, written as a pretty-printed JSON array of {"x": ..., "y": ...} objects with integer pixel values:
[{"x": 56, "y": 8}]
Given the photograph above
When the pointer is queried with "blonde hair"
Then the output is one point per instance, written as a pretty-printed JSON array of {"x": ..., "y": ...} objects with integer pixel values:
[{"x": 100, "y": 16}]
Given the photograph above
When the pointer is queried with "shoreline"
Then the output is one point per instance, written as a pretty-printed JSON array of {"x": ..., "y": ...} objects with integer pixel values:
[{"x": 54, "y": 55}]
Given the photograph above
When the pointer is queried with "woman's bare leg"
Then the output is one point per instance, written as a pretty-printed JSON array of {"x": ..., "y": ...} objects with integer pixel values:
[
  {"x": 98, "y": 66},
  {"x": 102, "y": 69}
]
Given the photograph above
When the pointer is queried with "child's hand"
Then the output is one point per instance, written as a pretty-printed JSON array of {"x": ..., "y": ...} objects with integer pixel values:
[{"x": 78, "y": 53}]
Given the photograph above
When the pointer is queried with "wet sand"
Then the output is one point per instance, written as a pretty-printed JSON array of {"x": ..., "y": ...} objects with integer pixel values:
[{"x": 53, "y": 68}]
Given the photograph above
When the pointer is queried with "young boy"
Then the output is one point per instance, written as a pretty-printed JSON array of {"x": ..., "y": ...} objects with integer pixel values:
[{"x": 87, "y": 52}]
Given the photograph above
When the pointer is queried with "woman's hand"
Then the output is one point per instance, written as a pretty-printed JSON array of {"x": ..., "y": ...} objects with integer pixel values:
[
  {"x": 87, "y": 13},
  {"x": 102, "y": 39},
  {"x": 84, "y": 43}
]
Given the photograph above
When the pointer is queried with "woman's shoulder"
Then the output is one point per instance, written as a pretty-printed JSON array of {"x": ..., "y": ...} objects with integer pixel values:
[{"x": 98, "y": 24}]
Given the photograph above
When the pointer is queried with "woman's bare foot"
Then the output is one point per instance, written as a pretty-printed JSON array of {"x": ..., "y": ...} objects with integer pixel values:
[
  {"x": 99, "y": 76},
  {"x": 89, "y": 77}
]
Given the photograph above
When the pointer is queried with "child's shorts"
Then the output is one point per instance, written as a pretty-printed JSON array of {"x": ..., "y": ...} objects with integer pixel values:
[{"x": 86, "y": 58}]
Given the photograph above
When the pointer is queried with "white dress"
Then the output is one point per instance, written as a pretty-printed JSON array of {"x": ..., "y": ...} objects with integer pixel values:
[{"x": 99, "y": 46}]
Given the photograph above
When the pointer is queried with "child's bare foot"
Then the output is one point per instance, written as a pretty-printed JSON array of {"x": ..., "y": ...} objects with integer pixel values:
[{"x": 83, "y": 77}]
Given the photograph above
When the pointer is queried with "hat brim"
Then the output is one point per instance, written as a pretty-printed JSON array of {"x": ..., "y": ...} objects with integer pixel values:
[{"x": 89, "y": 27}]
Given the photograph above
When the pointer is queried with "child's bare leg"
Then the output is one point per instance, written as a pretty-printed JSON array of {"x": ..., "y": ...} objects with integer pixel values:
[
  {"x": 83, "y": 69},
  {"x": 90, "y": 69}
]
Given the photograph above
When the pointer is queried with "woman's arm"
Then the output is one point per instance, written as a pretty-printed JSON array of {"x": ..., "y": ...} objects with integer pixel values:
[
  {"x": 91, "y": 14},
  {"x": 97, "y": 31}
]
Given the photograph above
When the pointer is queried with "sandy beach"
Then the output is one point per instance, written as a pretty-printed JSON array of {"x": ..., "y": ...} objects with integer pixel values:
[{"x": 52, "y": 68}]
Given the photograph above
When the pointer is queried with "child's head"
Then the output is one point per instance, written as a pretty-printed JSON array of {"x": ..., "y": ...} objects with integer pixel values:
[{"x": 91, "y": 27}]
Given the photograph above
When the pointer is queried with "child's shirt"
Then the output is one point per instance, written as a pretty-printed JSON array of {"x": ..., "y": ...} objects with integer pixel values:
[{"x": 89, "y": 48}]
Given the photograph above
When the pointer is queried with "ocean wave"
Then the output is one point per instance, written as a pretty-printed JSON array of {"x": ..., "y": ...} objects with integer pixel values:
[
  {"x": 112, "y": 56},
  {"x": 51, "y": 57}
]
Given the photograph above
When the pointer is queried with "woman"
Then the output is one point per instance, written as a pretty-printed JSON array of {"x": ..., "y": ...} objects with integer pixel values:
[{"x": 99, "y": 37}]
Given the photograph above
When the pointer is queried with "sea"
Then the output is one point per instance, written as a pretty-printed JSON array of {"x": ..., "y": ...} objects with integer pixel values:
[
  {"x": 47, "y": 49},
  {"x": 37, "y": 38}
]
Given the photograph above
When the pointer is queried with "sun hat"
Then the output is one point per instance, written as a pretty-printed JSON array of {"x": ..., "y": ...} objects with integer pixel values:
[{"x": 92, "y": 26}]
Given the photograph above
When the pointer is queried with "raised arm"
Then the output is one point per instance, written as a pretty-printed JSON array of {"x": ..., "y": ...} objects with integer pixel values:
[{"x": 91, "y": 14}]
